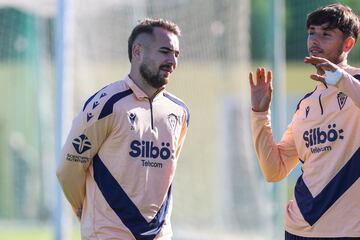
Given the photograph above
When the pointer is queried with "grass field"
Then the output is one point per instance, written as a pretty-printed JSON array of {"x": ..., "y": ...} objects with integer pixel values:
[
  {"x": 26, "y": 233},
  {"x": 31, "y": 232}
]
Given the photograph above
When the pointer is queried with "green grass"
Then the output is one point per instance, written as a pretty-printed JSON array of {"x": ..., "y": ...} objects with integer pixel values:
[
  {"x": 31, "y": 233},
  {"x": 28, "y": 234}
]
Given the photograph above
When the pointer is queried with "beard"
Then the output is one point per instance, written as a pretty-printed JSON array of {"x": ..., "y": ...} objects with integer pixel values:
[{"x": 152, "y": 77}]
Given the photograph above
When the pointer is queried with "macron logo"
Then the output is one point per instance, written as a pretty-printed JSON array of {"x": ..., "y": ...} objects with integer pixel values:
[{"x": 81, "y": 144}]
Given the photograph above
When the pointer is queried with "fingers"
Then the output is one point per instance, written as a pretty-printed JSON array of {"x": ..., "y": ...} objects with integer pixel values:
[
  {"x": 320, "y": 63},
  {"x": 318, "y": 77},
  {"x": 314, "y": 60},
  {"x": 251, "y": 79},
  {"x": 269, "y": 78},
  {"x": 262, "y": 77},
  {"x": 326, "y": 66}
]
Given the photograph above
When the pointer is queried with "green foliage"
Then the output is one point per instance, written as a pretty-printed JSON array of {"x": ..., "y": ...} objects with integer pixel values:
[
  {"x": 295, "y": 18},
  {"x": 259, "y": 18}
]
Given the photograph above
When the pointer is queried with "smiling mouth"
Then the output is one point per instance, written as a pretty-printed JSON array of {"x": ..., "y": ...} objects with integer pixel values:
[
  {"x": 166, "y": 68},
  {"x": 315, "y": 51}
]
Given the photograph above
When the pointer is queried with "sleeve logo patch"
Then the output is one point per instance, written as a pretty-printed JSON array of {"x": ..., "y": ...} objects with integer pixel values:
[{"x": 81, "y": 144}]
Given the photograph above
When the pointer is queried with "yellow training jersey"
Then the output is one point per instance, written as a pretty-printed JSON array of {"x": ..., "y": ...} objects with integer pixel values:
[
  {"x": 119, "y": 160},
  {"x": 324, "y": 136}
]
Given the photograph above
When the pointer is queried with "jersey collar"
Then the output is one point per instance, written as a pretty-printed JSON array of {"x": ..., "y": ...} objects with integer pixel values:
[{"x": 139, "y": 94}]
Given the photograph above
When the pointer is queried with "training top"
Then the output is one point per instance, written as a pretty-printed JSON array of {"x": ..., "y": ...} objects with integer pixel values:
[
  {"x": 119, "y": 160},
  {"x": 324, "y": 136}
]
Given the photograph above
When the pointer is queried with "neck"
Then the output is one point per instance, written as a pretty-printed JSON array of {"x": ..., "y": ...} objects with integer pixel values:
[
  {"x": 141, "y": 83},
  {"x": 342, "y": 60},
  {"x": 343, "y": 64}
]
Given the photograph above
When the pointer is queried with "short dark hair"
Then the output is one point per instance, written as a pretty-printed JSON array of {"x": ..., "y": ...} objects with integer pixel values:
[
  {"x": 147, "y": 25},
  {"x": 337, "y": 16}
]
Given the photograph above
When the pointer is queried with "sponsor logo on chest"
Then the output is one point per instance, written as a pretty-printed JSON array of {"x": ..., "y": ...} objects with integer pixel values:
[
  {"x": 150, "y": 154},
  {"x": 316, "y": 138}
]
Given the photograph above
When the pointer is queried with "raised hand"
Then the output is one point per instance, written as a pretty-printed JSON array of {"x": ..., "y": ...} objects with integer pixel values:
[
  {"x": 322, "y": 65},
  {"x": 261, "y": 92}
]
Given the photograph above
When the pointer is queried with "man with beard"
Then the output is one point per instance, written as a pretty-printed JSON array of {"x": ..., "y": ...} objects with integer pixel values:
[
  {"x": 323, "y": 136},
  {"x": 119, "y": 160}
]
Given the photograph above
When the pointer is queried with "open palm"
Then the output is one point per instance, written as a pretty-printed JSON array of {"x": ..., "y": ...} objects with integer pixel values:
[{"x": 261, "y": 92}]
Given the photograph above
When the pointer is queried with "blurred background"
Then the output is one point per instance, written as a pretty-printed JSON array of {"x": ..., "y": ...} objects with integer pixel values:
[{"x": 54, "y": 54}]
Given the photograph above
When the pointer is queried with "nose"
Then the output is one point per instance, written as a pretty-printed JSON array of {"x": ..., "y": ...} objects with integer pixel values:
[
  {"x": 173, "y": 60},
  {"x": 313, "y": 39}
]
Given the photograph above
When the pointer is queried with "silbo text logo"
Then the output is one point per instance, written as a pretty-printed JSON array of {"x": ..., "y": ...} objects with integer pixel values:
[
  {"x": 147, "y": 149},
  {"x": 317, "y": 136}
]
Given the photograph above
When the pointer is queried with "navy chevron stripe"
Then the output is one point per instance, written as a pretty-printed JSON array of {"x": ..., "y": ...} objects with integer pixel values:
[
  {"x": 91, "y": 98},
  {"x": 108, "y": 107},
  {"x": 357, "y": 76},
  {"x": 124, "y": 207},
  {"x": 312, "y": 208}
]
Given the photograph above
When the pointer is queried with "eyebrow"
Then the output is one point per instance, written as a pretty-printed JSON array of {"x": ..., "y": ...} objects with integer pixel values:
[
  {"x": 329, "y": 29},
  {"x": 169, "y": 49},
  {"x": 325, "y": 28}
]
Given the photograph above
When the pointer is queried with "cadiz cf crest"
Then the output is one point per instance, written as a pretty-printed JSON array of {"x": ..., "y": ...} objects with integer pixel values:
[
  {"x": 173, "y": 121},
  {"x": 341, "y": 97}
]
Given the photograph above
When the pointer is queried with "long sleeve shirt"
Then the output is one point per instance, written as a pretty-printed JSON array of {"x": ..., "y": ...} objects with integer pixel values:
[
  {"x": 324, "y": 137},
  {"x": 119, "y": 161}
]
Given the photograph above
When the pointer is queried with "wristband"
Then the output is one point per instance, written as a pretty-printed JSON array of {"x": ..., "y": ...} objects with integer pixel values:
[{"x": 333, "y": 78}]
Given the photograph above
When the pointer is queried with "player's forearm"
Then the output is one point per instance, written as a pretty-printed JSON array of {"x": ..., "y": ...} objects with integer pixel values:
[
  {"x": 268, "y": 152},
  {"x": 351, "y": 87},
  {"x": 71, "y": 177}
]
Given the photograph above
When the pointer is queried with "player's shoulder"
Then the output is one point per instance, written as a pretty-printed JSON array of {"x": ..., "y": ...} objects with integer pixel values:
[
  {"x": 104, "y": 94},
  {"x": 100, "y": 104},
  {"x": 172, "y": 98},
  {"x": 355, "y": 72},
  {"x": 177, "y": 101}
]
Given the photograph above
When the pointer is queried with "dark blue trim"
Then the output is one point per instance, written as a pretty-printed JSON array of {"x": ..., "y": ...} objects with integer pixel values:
[
  {"x": 306, "y": 96},
  {"x": 152, "y": 114},
  {"x": 357, "y": 76},
  {"x": 91, "y": 98},
  {"x": 178, "y": 102},
  {"x": 122, "y": 205},
  {"x": 109, "y": 105},
  {"x": 312, "y": 208},
  {"x": 321, "y": 107}
]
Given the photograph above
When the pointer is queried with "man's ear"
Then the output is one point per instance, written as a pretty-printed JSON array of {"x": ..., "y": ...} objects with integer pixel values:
[
  {"x": 136, "y": 51},
  {"x": 348, "y": 44}
]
